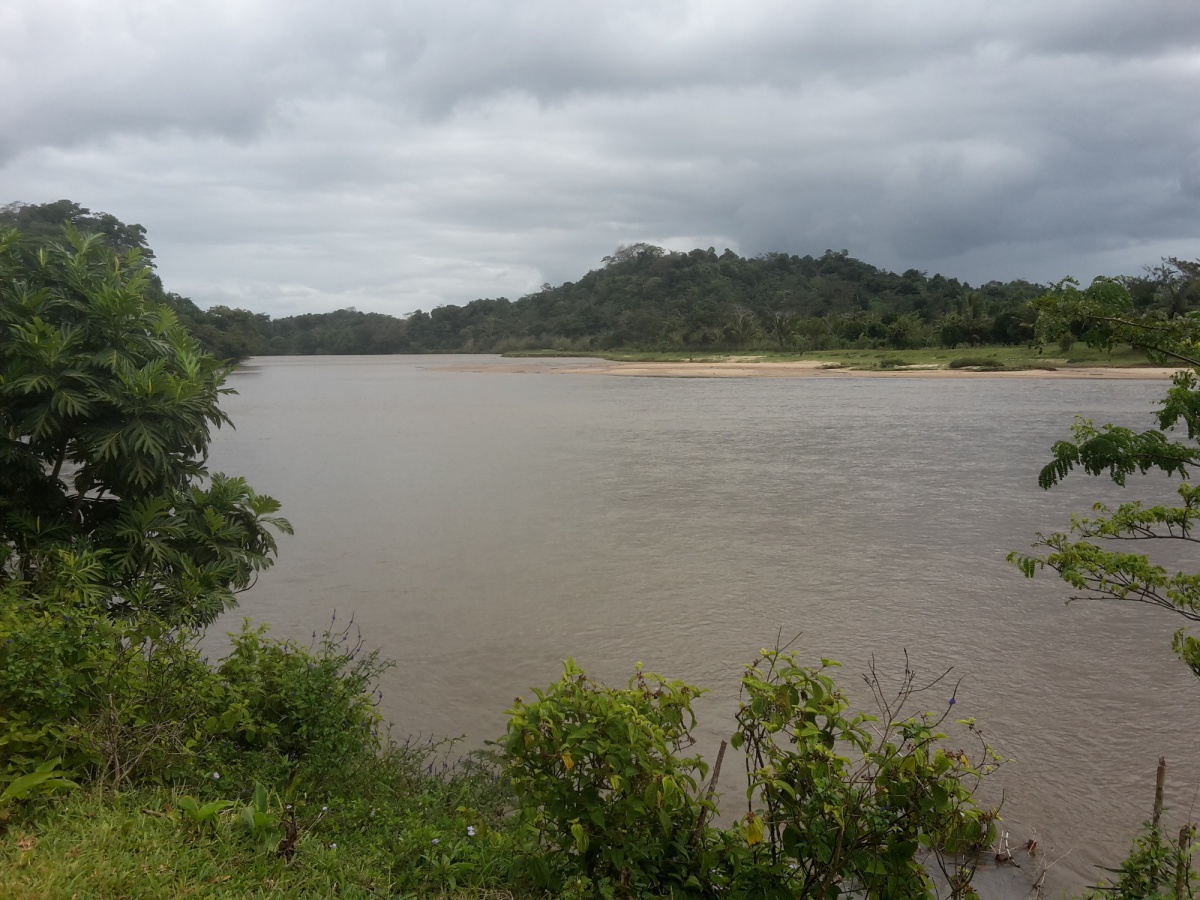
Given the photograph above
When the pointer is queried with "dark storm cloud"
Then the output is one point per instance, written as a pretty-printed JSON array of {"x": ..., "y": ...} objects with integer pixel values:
[{"x": 294, "y": 156}]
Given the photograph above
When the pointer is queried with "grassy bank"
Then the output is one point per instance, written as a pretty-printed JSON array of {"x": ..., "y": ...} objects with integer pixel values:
[
  {"x": 998, "y": 357},
  {"x": 393, "y": 828}
]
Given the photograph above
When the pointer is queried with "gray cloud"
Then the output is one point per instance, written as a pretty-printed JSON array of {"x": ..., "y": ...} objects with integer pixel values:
[{"x": 295, "y": 156}]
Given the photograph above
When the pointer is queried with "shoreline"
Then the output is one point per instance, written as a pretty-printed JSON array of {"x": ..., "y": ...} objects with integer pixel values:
[{"x": 742, "y": 368}]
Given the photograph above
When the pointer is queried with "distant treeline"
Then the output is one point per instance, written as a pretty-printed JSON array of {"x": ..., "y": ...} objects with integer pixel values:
[{"x": 644, "y": 297}]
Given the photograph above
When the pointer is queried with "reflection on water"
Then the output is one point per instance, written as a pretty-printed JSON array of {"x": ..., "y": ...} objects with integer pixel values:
[{"x": 481, "y": 527}]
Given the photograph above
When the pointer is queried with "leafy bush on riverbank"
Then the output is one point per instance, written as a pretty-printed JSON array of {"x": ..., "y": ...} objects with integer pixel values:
[
  {"x": 129, "y": 699},
  {"x": 591, "y": 796}
]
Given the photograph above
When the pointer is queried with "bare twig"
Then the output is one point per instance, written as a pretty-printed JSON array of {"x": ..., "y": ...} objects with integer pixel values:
[
  {"x": 1159, "y": 782},
  {"x": 1184, "y": 870},
  {"x": 712, "y": 787},
  {"x": 1040, "y": 885}
]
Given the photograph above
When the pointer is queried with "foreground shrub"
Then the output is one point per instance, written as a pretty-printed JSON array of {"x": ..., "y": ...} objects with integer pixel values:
[
  {"x": 599, "y": 779},
  {"x": 835, "y": 807},
  {"x": 1157, "y": 868},
  {"x": 76, "y": 683},
  {"x": 313, "y": 705},
  {"x": 121, "y": 698},
  {"x": 827, "y": 822}
]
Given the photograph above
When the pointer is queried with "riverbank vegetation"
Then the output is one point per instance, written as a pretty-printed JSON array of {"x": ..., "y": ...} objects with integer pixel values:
[
  {"x": 649, "y": 300},
  {"x": 132, "y": 765}
]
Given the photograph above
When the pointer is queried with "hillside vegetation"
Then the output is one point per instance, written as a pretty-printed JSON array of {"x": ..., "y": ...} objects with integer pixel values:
[{"x": 648, "y": 299}]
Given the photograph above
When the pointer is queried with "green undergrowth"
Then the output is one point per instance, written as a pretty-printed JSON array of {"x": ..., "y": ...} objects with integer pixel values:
[
  {"x": 392, "y": 828},
  {"x": 131, "y": 766}
]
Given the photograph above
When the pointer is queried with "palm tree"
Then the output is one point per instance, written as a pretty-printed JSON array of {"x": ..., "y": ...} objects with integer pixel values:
[
  {"x": 781, "y": 325},
  {"x": 742, "y": 329}
]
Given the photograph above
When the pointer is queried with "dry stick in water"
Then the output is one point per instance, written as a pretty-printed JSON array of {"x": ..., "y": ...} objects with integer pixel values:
[
  {"x": 712, "y": 786},
  {"x": 1184, "y": 869},
  {"x": 1159, "y": 782}
]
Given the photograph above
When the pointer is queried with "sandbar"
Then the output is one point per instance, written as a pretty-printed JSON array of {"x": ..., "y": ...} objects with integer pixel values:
[{"x": 804, "y": 368}]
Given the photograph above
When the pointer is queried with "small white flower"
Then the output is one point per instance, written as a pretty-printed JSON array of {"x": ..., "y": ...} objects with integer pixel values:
[
  {"x": 470, "y": 831},
  {"x": 216, "y": 776},
  {"x": 434, "y": 842},
  {"x": 333, "y": 846},
  {"x": 324, "y": 809}
]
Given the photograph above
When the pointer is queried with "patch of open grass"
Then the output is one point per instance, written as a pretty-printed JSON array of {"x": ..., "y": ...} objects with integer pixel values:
[
  {"x": 975, "y": 362},
  {"x": 443, "y": 835}
]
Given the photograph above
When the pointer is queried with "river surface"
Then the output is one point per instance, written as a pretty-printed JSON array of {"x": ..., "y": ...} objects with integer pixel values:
[{"x": 481, "y": 526}]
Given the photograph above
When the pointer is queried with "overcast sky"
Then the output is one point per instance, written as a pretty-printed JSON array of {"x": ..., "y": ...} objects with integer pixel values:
[{"x": 297, "y": 156}]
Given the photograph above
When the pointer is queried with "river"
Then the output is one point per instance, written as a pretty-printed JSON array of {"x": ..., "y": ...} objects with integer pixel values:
[{"x": 480, "y": 526}]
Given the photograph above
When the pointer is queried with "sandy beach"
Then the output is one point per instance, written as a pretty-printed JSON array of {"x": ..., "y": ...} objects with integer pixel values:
[{"x": 748, "y": 368}]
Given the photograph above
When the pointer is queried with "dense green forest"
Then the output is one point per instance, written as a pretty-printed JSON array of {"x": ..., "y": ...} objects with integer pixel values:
[{"x": 647, "y": 298}]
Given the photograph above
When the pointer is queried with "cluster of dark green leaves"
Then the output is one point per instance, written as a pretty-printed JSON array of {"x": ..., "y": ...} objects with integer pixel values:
[
  {"x": 106, "y": 405},
  {"x": 313, "y": 705}
]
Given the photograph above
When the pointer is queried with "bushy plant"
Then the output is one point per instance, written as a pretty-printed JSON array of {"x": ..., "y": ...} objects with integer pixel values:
[
  {"x": 118, "y": 696},
  {"x": 599, "y": 777},
  {"x": 836, "y": 807},
  {"x": 63, "y": 660},
  {"x": 839, "y": 806},
  {"x": 314, "y": 705},
  {"x": 1156, "y": 869}
]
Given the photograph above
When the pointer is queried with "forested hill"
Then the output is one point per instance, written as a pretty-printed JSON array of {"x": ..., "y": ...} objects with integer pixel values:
[{"x": 644, "y": 297}]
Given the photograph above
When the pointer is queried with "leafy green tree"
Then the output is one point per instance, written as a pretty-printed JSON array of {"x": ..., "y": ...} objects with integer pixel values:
[
  {"x": 782, "y": 326},
  {"x": 106, "y": 404},
  {"x": 905, "y": 332},
  {"x": 1092, "y": 556},
  {"x": 41, "y": 224},
  {"x": 742, "y": 328}
]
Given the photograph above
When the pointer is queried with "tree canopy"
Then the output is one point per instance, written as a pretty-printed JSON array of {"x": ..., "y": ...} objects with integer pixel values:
[
  {"x": 106, "y": 406},
  {"x": 1094, "y": 556}
]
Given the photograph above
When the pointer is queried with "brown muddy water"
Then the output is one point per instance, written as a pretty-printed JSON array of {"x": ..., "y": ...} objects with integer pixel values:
[{"x": 481, "y": 526}]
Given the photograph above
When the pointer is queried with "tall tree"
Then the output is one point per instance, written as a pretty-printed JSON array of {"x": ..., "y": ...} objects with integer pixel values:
[
  {"x": 1093, "y": 556},
  {"x": 106, "y": 405}
]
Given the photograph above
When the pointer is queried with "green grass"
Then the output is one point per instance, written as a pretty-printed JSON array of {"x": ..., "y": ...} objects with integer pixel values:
[
  {"x": 1006, "y": 357},
  {"x": 975, "y": 362},
  {"x": 376, "y": 841}
]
